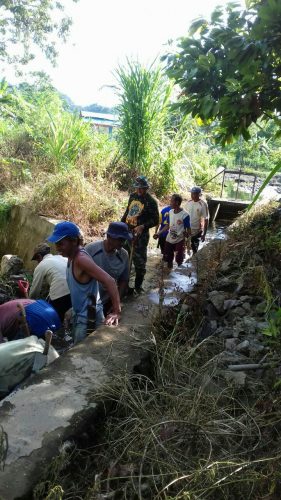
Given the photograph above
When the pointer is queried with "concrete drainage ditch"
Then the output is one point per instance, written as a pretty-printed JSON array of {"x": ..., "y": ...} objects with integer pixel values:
[{"x": 60, "y": 402}]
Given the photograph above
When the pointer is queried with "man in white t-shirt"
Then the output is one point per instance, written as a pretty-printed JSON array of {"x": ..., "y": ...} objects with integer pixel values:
[
  {"x": 51, "y": 270},
  {"x": 178, "y": 228},
  {"x": 198, "y": 212}
]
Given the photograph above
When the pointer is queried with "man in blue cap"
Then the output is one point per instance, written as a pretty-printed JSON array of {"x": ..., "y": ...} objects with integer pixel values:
[
  {"x": 112, "y": 258},
  {"x": 198, "y": 212},
  {"x": 141, "y": 214},
  {"x": 82, "y": 277}
]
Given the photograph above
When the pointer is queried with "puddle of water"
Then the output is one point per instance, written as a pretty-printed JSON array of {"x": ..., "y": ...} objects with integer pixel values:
[
  {"x": 217, "y": 230},
  {"x": 180, "y": 280}
]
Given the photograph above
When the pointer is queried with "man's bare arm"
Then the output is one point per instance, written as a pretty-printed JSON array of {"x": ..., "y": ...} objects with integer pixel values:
[
  {"x": 87, "y": 265},
  {"x": 165, "y": 228}
]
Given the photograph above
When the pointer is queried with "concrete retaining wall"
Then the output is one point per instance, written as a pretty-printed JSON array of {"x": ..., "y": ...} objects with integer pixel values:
[
  {"x": 220, "y": 208},
  {"x": 61, "y": 401},
  {"x": 21, "y": 232}
]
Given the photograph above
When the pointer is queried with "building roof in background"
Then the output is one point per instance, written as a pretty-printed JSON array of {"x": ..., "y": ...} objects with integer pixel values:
[{"x": 99, "y": 116}]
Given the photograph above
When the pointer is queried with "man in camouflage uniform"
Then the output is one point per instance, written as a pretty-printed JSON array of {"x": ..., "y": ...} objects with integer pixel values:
[{"x": 141, "y": 214}]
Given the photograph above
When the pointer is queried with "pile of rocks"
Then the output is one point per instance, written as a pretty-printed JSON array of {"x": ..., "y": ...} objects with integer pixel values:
[{"x": 237, "y": 318}]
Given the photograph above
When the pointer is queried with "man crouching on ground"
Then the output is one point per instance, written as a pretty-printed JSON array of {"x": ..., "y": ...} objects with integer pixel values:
[{"x": 82, "y": 277}]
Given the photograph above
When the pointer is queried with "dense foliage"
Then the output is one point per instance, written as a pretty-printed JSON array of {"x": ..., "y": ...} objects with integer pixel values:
[
  {"x": 229, "y": 68},
  {"x": 28, "y": 23}
]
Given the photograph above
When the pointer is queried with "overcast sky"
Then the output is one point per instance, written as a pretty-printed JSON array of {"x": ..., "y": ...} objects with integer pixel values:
[{"x": 105, "y": 32}]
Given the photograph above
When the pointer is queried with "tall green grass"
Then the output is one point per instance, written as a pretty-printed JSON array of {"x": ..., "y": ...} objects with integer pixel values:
[
  {"x": 68, "y": 137},
  {"x": 143, "y": 112}
]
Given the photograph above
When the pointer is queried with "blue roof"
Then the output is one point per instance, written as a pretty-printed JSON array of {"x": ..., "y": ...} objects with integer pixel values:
[{"x": 100, "y": 118}]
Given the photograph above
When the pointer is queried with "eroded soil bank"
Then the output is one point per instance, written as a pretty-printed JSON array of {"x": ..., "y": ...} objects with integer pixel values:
[{"x": 206, "y": 421}]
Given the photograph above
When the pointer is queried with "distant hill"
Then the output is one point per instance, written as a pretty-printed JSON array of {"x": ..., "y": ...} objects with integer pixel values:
[{"x": 98, "y": 108}]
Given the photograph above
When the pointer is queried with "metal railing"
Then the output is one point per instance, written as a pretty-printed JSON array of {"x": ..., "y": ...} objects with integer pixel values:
[{"x": 225, "y": 172}]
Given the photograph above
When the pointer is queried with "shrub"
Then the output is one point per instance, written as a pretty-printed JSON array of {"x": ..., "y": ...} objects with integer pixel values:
[
  {"x": 67, "y": 138},
  {"x": 71, "y": 196}
]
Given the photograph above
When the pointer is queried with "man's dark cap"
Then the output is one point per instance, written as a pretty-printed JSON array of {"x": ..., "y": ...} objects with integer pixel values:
[
  {"x": 119, "y": 230},
  {"x": 196, "y": 189},
  {"x": 141, "y": 182}
]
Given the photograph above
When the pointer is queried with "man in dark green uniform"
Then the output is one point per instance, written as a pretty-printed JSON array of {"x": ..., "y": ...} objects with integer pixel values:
[{"x": 141, "y": 214}]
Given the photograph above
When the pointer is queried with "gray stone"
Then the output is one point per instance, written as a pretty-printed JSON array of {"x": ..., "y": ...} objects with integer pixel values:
[
  {"x": 16, "y": 277},
  {"x": 245, "y": 298},
  {"x": 249, "y": 324},
  {"x": 243, "y": 347},
  {"x": 236, "y": 332},
  {"x": 238, "y": 325},
  {"x": 210, "y": 311},
  {"x": 205, "y": 330},
  {"x": 232, "y": 358},
  {"x": 225, "y": 264},
  {"x": 213, "y": 325},
  {"x": 225, "y": 333},
  {"x": 256, "y": 349},
  {"x": 236, "y": 313},
  {"x": 230, "y": 304},
  {"x": 226, "y": 284},
  {"x": 11, "y": 264},
  {"x": 236, "y": 378},
  {"x": 230, "y": 344},
  {"x": 217, "y": 299},
  {"x": 247, "y": 307}
]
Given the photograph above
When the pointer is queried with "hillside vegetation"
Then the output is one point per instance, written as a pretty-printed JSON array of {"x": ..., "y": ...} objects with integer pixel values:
[{"x": 56, "y": 164}]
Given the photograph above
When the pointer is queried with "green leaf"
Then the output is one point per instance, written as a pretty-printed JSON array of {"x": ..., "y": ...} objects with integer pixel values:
[
  {"x": 197, "y": 25},
  {"x": 216, "y": 15}
]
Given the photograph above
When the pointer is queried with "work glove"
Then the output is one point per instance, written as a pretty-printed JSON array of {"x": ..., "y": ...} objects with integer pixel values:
[{"x": 23, "y": 287}]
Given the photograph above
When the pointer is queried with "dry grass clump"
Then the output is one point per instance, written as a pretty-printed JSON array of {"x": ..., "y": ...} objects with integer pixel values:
[
  {"x": 73, "y": 197},
  {"x": 184, "y": 435}
]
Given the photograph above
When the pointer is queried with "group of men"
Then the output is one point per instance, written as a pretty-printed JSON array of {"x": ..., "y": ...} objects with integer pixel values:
[
  {"x": 86, "y": 283},
  {"x": 178, "y": 224}
]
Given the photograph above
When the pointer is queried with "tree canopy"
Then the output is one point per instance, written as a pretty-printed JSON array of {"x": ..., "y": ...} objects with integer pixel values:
[
  {"x": 28, "y": 23},
  {"x": 229, "y": 68}
]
